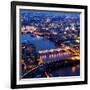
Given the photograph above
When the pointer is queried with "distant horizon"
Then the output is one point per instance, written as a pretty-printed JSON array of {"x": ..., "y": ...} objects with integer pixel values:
[{"x": 48, "y": 13}]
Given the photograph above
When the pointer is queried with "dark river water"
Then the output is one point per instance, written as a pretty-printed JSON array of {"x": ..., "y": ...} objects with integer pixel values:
[
  {"x": 67, "y": 71},
  {"x": 60, "y": 72}
]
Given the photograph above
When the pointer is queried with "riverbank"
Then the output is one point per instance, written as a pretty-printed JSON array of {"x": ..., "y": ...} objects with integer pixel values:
[{"x": 60, "y": 67}]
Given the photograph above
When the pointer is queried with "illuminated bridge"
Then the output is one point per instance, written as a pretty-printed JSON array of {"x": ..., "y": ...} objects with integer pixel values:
[
  {"x": 56, "y": 54},
  {"x": 51, "y": 58}
]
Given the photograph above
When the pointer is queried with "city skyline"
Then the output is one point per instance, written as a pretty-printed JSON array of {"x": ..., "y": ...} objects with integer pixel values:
[{"x": 49, "y": 39}]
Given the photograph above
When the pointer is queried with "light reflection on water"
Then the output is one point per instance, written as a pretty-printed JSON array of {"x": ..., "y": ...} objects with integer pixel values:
[
  {"x": 39, "y": 42},
  {"x": 67, "y": 71}
]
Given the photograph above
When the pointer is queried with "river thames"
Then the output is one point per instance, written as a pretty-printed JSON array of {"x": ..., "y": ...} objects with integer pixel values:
[{"x": 43, "y": 44}]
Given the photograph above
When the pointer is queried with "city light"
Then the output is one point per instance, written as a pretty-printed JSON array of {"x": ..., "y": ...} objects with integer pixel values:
[{"x": 49, "y": 44}]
